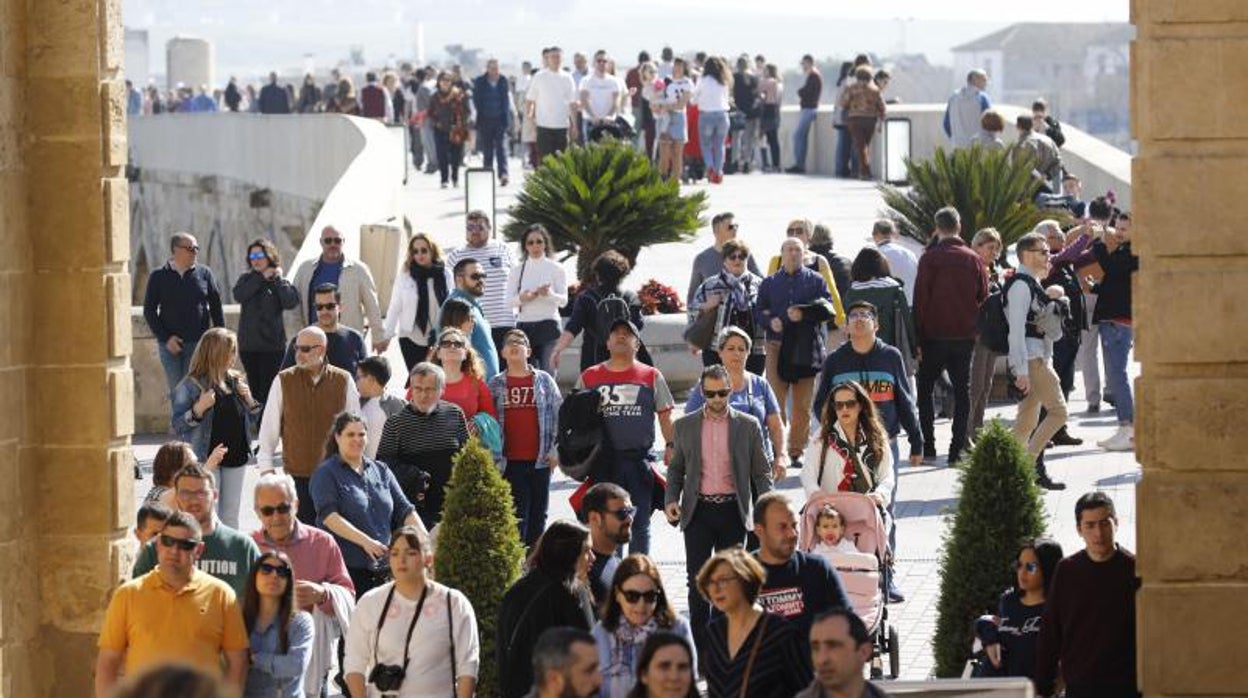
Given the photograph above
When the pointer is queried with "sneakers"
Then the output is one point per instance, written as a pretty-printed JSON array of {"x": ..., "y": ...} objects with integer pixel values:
[
  {"x": 795, "y": 170},
  {"x": 503, "y": 181},
  {"x": 1094, "y": 407},
  {"x": 1122, "y": 440}
]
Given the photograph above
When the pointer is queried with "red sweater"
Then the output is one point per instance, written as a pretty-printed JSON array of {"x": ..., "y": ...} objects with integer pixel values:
[
  {"x": 950, "y": 285},
  {"x": 1089, "y": 626}
]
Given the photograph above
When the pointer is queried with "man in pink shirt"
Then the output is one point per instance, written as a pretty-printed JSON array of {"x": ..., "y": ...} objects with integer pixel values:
[{"x": 717, "y": 452}]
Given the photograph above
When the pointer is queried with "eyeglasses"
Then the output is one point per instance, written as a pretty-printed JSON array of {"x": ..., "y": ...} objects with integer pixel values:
[
  {"x": 476, "y": 227},
  {"x": 420, "y": 251},
  {"x": 535, "y": 241},
  {"x": 1031, "y": 567},
  {"x": 278, "y": 509},
  {"x": 721, "y": 582},
  {"x": 623, "y": 513},
  {"x": 479, "y": 276},
  {"x": 184, "y": 544},
  {"x": 253, "y": 256},
  {"x": 305, "y": 348},
  {"x": 737, "y": 257},
  {"x": 326, "y": 306},
  {"x": 282, "y": 571},
  {"x": 450, "y": 344},
  {"x": 1041, "y": 250},
  {"x": 717, "y": 393},
  {"x": 331, "y": 241},
  {"x": 189, "y": 248},
  {"x": 844, "y": 404},
  {"x": 192, "y": 494},
  {"x": 633, "y": 596},
  {"x": 517, "y": 342},
  {"x": 862, "y": 315}
]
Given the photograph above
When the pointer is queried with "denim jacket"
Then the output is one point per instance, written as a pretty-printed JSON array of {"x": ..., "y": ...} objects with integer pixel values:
[
  {"x": 548, "y": 401},
  {"x": 198, "y": 432}
]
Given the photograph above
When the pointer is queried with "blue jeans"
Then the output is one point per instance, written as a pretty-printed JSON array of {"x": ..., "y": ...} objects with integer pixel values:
[
  {"x": 530, "y": 491},
  {"x": 493, "y": 144},
  {"x": 1116, "y": 341},
  {"x": 712, "y": 130},
  {"x": 801, "y": 136},
  {"x": 846, "y": 158},
  {"x": 636, "y": 477},
  {"x": 175, "y": 366},
  {"x": 230, "y": 493}
]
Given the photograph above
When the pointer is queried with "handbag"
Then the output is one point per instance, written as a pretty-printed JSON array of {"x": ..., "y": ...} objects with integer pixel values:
[
  {"x": 749, "y": 663},
  {"x": 459, "y": 134},
  {"x": 701, "y": 331}
]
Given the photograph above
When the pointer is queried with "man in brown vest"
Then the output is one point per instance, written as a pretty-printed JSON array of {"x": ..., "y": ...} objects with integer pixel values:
[{"x": 301, "y": 408}]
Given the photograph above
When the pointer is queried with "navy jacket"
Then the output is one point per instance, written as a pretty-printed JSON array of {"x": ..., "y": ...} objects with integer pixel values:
[
  {"x": 185, "y": 305},
  {"x": 491, "y": 102}
]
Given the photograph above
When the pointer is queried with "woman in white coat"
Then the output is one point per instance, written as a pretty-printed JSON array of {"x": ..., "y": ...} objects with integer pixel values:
[
  {"x": 416, "y": 300},
  {"x": 851, "y": 453}
]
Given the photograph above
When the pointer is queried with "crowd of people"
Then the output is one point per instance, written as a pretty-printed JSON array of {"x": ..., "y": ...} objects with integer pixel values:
[{"x": 817, "y": 364}]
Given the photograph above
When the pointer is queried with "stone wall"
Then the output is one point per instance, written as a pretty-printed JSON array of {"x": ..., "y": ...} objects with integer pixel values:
[
  {"x": 1190, "y": 326},
  {"x": 64, "y": 370}
]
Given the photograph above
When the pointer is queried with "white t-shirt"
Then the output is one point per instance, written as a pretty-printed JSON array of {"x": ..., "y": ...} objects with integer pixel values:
[
  {"x": 429, "y": 673},
  {"x": 678, "y": 87},
  {"x": 711, "y": 95},
  {"x": 551, "y": 92},
  {"x": 603, "y": 92}
]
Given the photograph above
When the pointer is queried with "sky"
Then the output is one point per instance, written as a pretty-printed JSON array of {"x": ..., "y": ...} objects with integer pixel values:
[{"x": 294, "y": 35}]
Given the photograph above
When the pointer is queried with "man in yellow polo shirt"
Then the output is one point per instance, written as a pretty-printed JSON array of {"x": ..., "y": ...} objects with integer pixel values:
[{"x": 173, "y": 613}]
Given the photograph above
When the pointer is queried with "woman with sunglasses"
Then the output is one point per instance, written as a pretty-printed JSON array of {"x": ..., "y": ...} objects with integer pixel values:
[
  {"x": 748, "y": 651},
  {"x": 281, "y": 635},
  {"x": 414, "y": 634},
  {"x": 465, "y": 375},
  {"x": 417, "y": 297},
  {"x": 359, "y": 500},
  {"x": 263, "y": 293},
  {"x": 448, "y": 112},
  {"x": 731, "y": 295},
  {"x": 852, "y": 452},
  {"x": 537, "y": 289},
  {"x": 666, "y": 668},
  {"x": 1009, "y": 638},
  {"x": 636, "y": 608}
]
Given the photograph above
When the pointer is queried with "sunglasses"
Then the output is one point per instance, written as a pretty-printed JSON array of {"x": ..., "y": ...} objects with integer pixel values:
[
  {"x": 451, "y": 344},
  {"x": 331, "y": 241},
  {"x": 717, "y": 393},
  {"x": 844, "y": 404},
  {"x": 1031, "y": 567},
  {"x": 326, "y": 306},
  {"x": 517, "y": 342},
  {"x": 479, "y": 276},
  {"x": 279, "y": 509},
  {"x": 420, "y": 250},
  {"x": 862, "y": 315},
  {"x": 535, "y": 241},
  {"x": 633, "y": 596},
  {"x": 280, "y": 570},
  {"x": 184, "y": 544},
  {"x": 253, "y": 256},
  {"x": 189, "y": 248},
  {"x": 305, "y": 348},
  {"x": 738, "y": 257},
  {"x": 623, "y": 513}
]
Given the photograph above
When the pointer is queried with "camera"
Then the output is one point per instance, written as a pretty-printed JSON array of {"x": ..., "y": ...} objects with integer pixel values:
[{"x": 387, "y": 677}]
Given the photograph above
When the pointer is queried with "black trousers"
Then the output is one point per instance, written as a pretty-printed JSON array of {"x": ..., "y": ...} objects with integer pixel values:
[
  {"x": 365, "y": 580},
  {"x": 449, "y": 155},
  {"x": 954, "y": 356},
  {"x": 413, "y": 353},
  {"x": 307, "y": 509},
  {"x": 714, "y": 527},
  {"x": 1065, "y": 351},
  {"x": 261, "y": 367},
  {"x": 551, "y": 141}
]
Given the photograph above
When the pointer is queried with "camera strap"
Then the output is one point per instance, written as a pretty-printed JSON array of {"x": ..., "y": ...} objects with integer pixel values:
[{"x": 407, "y": 645}]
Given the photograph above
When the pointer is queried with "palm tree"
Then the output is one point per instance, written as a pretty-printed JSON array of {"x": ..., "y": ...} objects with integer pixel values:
[
  {"x": 604, "y": 196},
  {"x": 990, "y": 188}
]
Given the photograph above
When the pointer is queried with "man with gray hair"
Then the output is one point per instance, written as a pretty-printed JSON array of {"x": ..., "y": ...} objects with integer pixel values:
[
  {"x": 301, "y": 408},
  {"x": 420, "y": 441},
  {"x": 902, "y": 262},
  {"x": 320, "y": 575},
  {"x": 964, "y": 107},
  {"x": 565, "y": 664}
]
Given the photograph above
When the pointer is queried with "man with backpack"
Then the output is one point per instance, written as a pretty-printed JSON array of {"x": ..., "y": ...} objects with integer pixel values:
[
  {"x": 1035, "y": 319},
  {"x": 632, "y": 394}
]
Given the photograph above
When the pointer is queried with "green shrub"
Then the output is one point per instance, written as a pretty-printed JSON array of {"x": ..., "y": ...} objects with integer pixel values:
[
  {"x": 990, "y": 188},
  {"x": 478, "y": 547},
  {"x": 604, "y": 196},
  {"x": 999, "y": 506}
]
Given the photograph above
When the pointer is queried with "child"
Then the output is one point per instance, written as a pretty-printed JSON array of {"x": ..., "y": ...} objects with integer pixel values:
[
  {"x": 830, "y": 529},
  {"x": 151, "y": 521}
]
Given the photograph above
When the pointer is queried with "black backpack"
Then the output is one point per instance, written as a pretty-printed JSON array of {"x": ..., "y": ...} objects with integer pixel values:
[
  {"x": 580, "y": 434},
  {"x": 991, "y": 323},
  {"x": 610, "y": 309}
]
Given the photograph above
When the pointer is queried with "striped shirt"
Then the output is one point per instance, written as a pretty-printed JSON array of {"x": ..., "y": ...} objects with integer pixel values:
[
  {"x": 780, "y": 668},
  {"x": 496, "y": 261},
  {"x": 414, "y": 437}
]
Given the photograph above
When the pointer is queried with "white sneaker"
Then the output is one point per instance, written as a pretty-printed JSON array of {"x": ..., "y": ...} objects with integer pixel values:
[
  {"x": 1114, "y": 437},
  {"x": 1124, "y": 440}
]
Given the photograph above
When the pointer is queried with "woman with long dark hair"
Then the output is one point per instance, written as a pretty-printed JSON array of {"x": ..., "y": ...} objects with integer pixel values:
[
  {"x": 537, "y": 289},
  {"x": 713, "y": 97},
  {"x": 636, "y": 608},
  {"x": 1009, "y": 640},
  {"x": 852, "y": 452},
  {"x": 281, "y": 635},
  {"x": 449, "y": 115},
  {"x": 417, "y": 297},
  {"x": 872, "y": 281},
  {"x": 666, "y": 668},
  {"x": 359, "y": 500},
  {"x": 554, "y": 592},
  {"x": 262, "y": 293}
]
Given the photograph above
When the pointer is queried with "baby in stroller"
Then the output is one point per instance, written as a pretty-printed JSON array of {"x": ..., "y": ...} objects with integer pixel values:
[{"x": 830, "y": 534}]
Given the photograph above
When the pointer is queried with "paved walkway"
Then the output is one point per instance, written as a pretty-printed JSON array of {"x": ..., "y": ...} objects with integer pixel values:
[{"x": 763, "y": 204}]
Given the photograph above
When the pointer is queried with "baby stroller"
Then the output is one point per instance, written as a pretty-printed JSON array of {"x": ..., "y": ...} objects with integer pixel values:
[{"x": 865, "y": 573}]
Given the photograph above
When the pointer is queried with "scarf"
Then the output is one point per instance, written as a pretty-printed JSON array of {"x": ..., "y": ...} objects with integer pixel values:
[
  {"x": 857, "y": 473},
  {"x": 421, "y": 276},
  {"x": 625, "y": 653},
  {"x": 738, "y": 290}
]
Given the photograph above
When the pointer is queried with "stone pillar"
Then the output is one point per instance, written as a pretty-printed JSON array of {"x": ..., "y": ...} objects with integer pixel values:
[
  {"x": 66, "y": 482},
  {"x": 1189, "y": 85}
]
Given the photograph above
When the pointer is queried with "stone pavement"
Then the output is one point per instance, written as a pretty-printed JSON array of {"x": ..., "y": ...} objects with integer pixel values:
[{"x": 925, "y": 494}]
